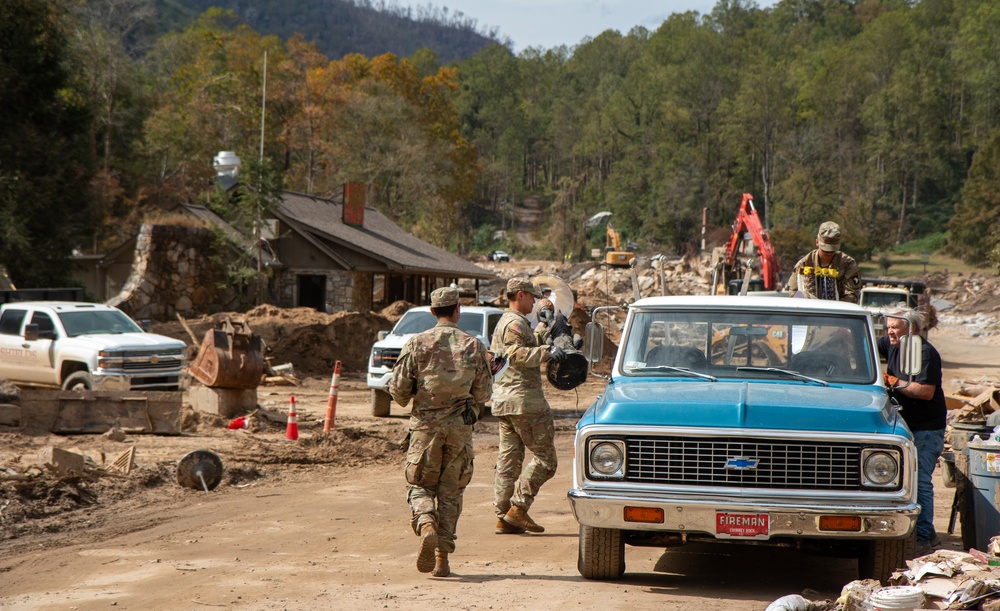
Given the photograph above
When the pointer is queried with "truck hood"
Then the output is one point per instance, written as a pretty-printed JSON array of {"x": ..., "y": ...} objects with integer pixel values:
[
  {"x": 746, "y": 405},
  {"x": 124, "y": 341}
]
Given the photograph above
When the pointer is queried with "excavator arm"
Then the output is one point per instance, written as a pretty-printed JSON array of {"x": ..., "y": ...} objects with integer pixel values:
[{"x": 747, "y": 221}]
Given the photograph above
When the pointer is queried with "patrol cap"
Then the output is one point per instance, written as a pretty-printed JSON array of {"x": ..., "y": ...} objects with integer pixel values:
[
  {"x": 443, "y": 297},
  {"x": 523, "y": 284},
  {"x": 829, "y": 237}
]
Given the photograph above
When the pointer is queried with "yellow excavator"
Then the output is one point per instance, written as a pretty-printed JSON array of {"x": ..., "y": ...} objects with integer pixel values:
[{"x": 613, "y": 253}]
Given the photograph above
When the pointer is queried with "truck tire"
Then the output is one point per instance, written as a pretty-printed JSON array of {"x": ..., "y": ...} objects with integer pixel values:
[
  {"x": 880, "y": 558},
  {"x": 381, "y": 403},
  {"x": 78, "y": 380},
  {"x": 602, "y": 553}
]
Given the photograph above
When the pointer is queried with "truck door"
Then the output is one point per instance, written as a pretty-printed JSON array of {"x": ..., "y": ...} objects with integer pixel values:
[
  {"x": 42, "y": 370},
  {"x": 16, "y": 354}
]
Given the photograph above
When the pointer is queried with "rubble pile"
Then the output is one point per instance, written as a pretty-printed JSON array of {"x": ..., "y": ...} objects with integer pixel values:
[{"x": 967, "y": 294}]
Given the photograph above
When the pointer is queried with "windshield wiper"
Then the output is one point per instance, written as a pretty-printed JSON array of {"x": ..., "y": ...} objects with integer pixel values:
[
  {"x": 787, "y": 372},
  {"x": 672, "y": 369}
]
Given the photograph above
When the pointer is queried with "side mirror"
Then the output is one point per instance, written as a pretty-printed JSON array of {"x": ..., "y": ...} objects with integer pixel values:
[
  {"x": 911, "y": 355},
  {"x": 31, "y": 333},
  {"x": 593, "y": 342},
  {"x": 382, "y": 335},
  {"x": 146, "y": 324}
]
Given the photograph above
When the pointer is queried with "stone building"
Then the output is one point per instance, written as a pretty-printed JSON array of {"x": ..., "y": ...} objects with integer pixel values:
[{"x": 311, "y": 258}]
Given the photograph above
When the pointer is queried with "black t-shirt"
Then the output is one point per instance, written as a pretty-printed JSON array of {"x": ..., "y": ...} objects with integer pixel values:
[{"x": 919, "y": 414}]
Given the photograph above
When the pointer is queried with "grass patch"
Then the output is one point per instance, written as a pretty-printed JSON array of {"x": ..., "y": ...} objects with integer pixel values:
[{"x": 910, "y": 265}]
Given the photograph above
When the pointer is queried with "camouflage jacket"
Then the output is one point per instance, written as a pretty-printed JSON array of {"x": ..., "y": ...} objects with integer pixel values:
[
  {"x": 842, "y": 275},
  {"x": 440, "y": 369},
  {"x": 519, "y": 390}
]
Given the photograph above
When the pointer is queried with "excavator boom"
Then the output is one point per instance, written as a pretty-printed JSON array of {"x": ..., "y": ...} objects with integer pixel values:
[{"x": 748, "y": 222}]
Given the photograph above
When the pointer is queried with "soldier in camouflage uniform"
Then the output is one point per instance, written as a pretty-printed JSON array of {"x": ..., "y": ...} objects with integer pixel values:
[
  {"x": 524, "y": 414},
  {"x": 827, "y": 273},
  {"x": 447, "y": 374}
]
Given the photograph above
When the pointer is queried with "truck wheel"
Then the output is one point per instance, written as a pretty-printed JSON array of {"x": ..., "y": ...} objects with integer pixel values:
[
  {"x": 381, "y": 403},
  {"x": 78, "y": 380},
  {"x": 880, "y": 558},
  {"x": 602, "y": 553}
]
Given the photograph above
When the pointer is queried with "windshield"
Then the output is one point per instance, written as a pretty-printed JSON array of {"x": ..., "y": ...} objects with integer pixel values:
[
  {"x": 878, "y": 299},
  {"x": 416, "y": 321},
  {"x": 93, "y": 322},
  {"x": 764, "y": 345}
]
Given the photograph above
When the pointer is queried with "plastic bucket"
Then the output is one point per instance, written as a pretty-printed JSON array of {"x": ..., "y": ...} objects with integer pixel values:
[{"x": 896, "y": 598}]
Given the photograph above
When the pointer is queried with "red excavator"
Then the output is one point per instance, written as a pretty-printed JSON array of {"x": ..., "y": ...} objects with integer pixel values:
[{"x": 740, "y": 258}]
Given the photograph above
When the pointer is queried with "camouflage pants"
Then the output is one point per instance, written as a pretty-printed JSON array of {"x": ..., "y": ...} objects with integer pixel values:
[
  {"x": 512, "y": 485},
  {"x": 438, "y": 468}
]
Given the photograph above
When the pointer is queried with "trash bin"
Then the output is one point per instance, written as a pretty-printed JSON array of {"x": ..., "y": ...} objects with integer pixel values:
[
  {"x": 984, "y": 471},
  {"x": 963, "y": 432}
]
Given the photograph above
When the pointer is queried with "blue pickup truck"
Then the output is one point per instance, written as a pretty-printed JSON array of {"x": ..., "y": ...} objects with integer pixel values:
[{"x": 737, "y": 419}]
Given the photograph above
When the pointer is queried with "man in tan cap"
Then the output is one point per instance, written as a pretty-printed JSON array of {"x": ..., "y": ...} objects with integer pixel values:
[
  {"x": 447, "y": 374},
  {"x": 826, "y": 272},
  {"x": 524, "y": 414}
]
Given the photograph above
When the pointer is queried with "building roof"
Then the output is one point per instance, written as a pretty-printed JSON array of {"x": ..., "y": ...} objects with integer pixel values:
[{"x": 379, "y": 239}]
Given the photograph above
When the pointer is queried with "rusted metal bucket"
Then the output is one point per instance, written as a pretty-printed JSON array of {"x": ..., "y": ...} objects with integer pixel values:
[{"x": 231, "y": 356}]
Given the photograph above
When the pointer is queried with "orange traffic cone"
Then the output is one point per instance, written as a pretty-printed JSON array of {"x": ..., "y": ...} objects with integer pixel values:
[{"x": 292, "y": 432}]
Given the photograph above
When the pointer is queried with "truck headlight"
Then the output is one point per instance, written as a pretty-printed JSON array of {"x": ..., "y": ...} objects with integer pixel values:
[
  {"x": 607, "y": 458},
  {"x": 377, "y": 358},
  {"x": 880, "y": 468}
]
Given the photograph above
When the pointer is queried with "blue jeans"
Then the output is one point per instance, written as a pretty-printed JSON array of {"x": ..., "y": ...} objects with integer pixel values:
[{"x": 929, "y": 446}]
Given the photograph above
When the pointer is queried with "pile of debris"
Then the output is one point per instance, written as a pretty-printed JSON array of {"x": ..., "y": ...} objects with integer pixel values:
[{"x": 944, "y": 579}]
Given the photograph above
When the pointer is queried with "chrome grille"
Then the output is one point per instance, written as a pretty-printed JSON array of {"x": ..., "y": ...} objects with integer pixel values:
[
  {"x": 780, "y": 464},
  {"x": 390, "y": 356}
]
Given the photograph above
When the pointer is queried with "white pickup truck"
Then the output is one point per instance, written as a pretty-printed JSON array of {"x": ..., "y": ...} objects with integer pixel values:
[
  {"x": 475, "y": 320},
  {"x": 85, "y": 346}
]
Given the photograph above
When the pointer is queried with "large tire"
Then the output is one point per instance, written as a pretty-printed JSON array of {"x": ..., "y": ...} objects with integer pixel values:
[
  {"x": 880, "y": 558},
  {"x": 602, "y": 553},
  {"x": 381, "y": 403},
  {"x": 78, "y": 380}
]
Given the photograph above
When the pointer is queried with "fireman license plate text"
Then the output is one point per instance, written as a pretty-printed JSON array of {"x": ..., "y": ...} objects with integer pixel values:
[{"x": 741, "y": 524}]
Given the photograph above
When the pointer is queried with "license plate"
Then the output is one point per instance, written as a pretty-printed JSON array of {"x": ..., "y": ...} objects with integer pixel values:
[{"x": 741, "y": 524}]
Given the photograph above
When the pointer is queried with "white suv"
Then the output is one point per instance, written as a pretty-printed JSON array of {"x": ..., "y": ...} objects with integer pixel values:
[{"x": 476, "y": 320}]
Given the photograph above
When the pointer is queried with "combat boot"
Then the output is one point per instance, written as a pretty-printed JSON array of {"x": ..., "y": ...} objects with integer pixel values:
[
  {"x": 441, "y": 568},
  {"x": 518, "y": 517},
  {"x": 428, "y": 544},
  {"x": 504, "y": 528}
]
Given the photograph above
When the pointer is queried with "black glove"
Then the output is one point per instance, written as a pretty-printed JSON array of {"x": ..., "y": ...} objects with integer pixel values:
[
  {"x": 557, "y": 354},
  {"x": 546, "y": 316},
  {"x": 469, "y": 415}
]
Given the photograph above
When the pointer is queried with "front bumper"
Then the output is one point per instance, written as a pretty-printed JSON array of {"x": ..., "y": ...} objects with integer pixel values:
[
  {"x": 697, "y": 515},
  {"x": 379, "y": 380},
  {"x": 165, "y": 381}
]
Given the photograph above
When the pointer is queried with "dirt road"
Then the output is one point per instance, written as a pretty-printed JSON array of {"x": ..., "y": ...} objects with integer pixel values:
[{"x": 314, "y": 524}]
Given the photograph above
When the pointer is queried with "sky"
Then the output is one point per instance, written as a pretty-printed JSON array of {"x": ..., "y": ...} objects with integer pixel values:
[{"x": 550, "y": 23}]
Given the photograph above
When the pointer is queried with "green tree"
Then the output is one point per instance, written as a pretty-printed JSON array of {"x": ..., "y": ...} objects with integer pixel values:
[
  {"x": 972, "y": 231},
  {"x": 44, "y": 162}
]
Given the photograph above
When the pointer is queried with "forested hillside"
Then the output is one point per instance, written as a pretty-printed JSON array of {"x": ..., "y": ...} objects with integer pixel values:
[
  {"x": 339, "y": 27},
  {"x": 879, "y": 114}
]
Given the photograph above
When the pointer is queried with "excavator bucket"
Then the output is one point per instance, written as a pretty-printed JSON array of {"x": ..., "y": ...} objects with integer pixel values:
[{"x": 231, "y": 356}]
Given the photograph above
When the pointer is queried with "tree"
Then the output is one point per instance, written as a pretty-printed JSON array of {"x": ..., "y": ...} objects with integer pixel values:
[
  {"x": 44, "y": 166},
  {"x": 972, "y": 231}
]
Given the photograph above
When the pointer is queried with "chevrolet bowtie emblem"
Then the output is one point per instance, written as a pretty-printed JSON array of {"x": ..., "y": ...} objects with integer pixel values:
[{"x": 739, "y": 463}]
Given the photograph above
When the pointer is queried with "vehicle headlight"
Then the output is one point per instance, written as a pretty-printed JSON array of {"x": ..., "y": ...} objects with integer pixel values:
[
  {"x": 880, "y": 468},
  {"x": 607, "y": 458},
  {"x": 377, "y": 358}
]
